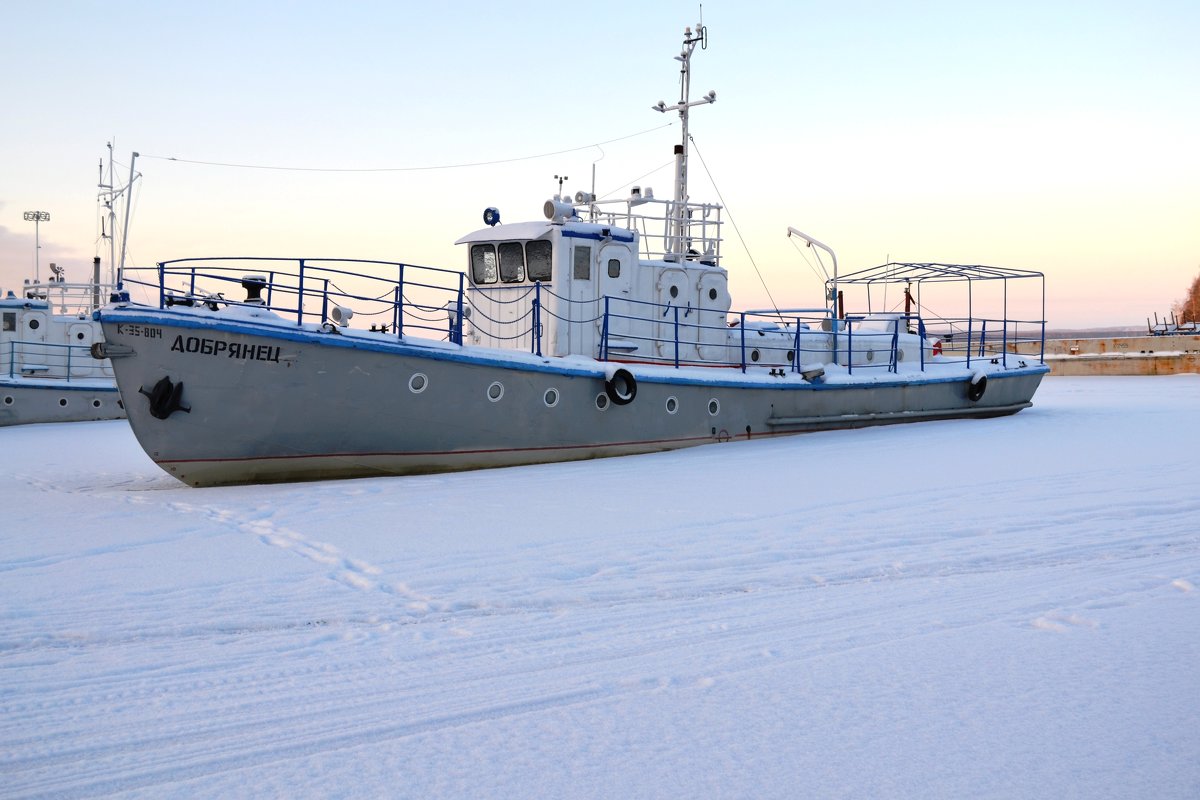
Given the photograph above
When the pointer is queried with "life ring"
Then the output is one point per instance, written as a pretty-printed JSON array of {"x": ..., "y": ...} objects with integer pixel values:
[
  {"x": 976, "y": 388},
  {"x": 621, "y": 388}
]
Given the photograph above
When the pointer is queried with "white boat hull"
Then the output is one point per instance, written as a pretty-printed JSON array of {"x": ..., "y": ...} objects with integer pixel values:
[{"x": 29, "y": 400}]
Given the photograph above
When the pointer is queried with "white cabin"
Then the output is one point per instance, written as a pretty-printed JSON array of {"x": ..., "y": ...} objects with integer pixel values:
[
  {"x": 575, "y": 274},
  {"x": 47, "y": 331}
]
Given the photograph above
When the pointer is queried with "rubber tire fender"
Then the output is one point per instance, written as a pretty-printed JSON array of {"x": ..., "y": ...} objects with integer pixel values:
[
  {"x": 621, "y": 388},
  {"x": 976, "y": 388}
]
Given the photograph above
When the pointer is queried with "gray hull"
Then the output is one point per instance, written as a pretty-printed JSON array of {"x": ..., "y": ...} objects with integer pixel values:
[
  {"x": 27, "y": 401},
  {"x": 262, "y": 403}
]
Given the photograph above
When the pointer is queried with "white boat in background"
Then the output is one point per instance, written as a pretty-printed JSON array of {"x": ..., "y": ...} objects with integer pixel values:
[
  {"x": 47, "y": 371},
  {"x": 604, "y": 329}
]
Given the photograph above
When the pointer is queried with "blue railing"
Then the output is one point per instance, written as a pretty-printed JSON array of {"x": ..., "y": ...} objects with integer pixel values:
[
  {"x": 397, "y": 297},
  {"x": 404, "y": 299},
  {"x": 46, "y": 360}
]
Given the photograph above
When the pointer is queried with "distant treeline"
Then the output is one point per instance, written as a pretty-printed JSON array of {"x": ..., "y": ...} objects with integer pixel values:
[{"x": 1094, "y": 333}]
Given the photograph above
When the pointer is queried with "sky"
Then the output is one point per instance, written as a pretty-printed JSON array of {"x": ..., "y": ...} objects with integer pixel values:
[{"x": 1052, "y": 136}]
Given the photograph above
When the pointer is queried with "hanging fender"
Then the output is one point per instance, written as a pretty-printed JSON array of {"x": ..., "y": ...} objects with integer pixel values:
[
  {"x": 976, "y": 388},
  {"x": 621, "y": 387}
]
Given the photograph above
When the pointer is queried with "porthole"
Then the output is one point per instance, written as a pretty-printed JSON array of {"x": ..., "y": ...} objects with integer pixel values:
[
  {"x": 899, "y": 355},
  {"x": 62, "y": 401},
  {"x": 870, "y": 355},
  {"x": 418, "y": 383},
  {"x": 674, "y": 291},
  {"x": 34, "y": 324},
  {"x": 550, "y": 398},
  {"x": 95, "y": 404},
  {"x": 495, "y": 391},
  {"x": 79, "y": 336},
  {"x": 672, "y": 405},
  {"x": 8, "y": 401},
  {"x": 754, "y": 355},
  {"x": 791, "y": 356},
  {"x": 714, "y": 406},
  {"x": 712, "y": 294},
  {"x": 602, "y": 401}
]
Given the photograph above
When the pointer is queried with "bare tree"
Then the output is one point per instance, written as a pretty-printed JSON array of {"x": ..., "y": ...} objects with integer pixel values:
[{"x": 1188, "y": 309}]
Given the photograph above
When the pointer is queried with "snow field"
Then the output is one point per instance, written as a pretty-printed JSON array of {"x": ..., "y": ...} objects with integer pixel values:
[{"x": 983, "y": 608}]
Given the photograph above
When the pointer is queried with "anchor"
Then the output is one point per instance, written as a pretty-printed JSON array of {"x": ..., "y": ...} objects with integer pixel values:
[{"x": 165, "y": 398}]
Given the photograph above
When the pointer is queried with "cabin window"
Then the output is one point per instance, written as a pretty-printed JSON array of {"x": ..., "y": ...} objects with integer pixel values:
[
  {"x": 614, "y": 268},
  {"x": 583, "y": 263},
  {"x": 483, "y": 263},
  {"x": 10, "y": 320},
  {"x": 512, "y": 262},
  {"x": 539, "y": 260}
]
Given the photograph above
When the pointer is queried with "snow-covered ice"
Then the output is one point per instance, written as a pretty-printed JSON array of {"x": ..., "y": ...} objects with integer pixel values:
[{"x": 985, "y": 608}]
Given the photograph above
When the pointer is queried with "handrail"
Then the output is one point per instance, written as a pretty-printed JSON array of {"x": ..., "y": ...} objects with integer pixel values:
[
  {"x": 408, "y": 297},
  {"x": 56, "y": 360}
]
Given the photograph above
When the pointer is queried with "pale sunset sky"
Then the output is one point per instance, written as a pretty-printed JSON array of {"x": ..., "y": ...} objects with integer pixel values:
[{"x": 1056, "y": 136}]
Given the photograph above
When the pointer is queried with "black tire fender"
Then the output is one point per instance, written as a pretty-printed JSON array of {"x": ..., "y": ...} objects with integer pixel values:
[
  {"x": 976, "y": 388},
  {"x": 621, "y": 387}
]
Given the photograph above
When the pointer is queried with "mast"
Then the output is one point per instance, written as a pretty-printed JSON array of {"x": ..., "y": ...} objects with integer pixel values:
[
  {"x": 125, "y": 231},
  {"x": 108, "y": 196},
  {"x": 679, "y": 214}
]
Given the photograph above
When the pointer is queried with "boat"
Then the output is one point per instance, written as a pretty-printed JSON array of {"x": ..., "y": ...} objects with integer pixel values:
[
  {"x": 47, "y": 329},
  {"x": 47, "y": 372},
  {"x": 603, "y": 329}
]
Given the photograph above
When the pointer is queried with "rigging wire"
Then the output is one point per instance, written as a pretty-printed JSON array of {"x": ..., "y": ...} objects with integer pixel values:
[
  {"x": 823, "y": 278},
  {"x": 732, "y": 222},
  {"x": 404, "y": 169},
  {"x": 638, "y": 179}
]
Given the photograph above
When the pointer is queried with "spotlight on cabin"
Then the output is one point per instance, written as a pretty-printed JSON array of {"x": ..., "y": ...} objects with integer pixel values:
[
  {"x": 585, "y": 197},
  {"x": 341, "y": 315},
  {"x": 491, "y": 216},
  {"x": 558, "y": 209}
]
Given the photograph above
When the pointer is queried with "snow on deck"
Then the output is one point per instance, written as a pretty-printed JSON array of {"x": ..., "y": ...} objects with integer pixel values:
[{"x": 978, "y": 608}]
